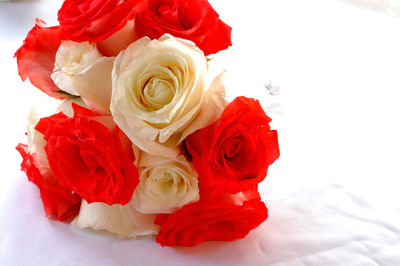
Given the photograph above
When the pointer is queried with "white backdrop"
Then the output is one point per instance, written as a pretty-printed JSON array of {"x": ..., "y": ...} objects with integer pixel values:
[{"x": 332, "y": 195}]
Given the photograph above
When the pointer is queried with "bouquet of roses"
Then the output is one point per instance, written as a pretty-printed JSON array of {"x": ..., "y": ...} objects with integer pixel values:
[{"x": 137, "y": 143}]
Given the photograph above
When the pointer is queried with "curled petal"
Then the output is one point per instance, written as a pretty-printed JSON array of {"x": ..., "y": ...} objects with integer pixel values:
[
  {"x": 193, "y": 20},
  {"x": 58, "y": 201},
  {"x": 94, "y": 85},
  {"x": 123, "y": 220},
  {"x": 202, "y": 221},
  {"x": 36, "y": 57},
  {"x": 94, "y": 21}
]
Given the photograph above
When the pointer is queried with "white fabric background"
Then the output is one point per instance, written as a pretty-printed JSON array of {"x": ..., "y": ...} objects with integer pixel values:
[{"x": 332, "y": 195}]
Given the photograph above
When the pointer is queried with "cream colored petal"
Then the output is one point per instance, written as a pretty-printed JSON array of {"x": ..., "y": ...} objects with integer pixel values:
[
  {"x": 94, "y": 85},
  {"x": 154, "y": 147},
  {"x": 119, "y": 40},
  {"x": 123, "y": 220},
  {"x": 65, "y": 82},
  {"x": 66, "y": 106},
  {"x": 71, "y": 59},
  {"x": 165, "y": 184},
  {"x": 45, "y": 107},
  {"x": 82, "y": 71},
  {"x": 212, "y": 107},
  {"x": 138, "y": 153}
]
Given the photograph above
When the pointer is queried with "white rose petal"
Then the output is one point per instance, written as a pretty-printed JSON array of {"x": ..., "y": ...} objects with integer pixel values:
[
  {"x": 123, "y": 220},
  {"x": 165, "y": 184},
  {"x": 66, "y": 106},
  {"x": 212, "y": 107},
  {"x": 94, "y": 85},
  {"x": 158, "y": 88},
  {"x": 45, "y": 107},
  {"x": 81, "y": 70},
  {"x": 71, "y": 59},
  {"x": 119, "y": 40}
]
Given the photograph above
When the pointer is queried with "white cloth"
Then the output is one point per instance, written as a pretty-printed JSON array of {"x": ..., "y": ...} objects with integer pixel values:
[{"x": 332, "y": 196}]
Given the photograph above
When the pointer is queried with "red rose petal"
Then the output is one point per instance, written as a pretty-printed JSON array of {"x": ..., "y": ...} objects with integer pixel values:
[
  {"x": 194, "y": 20},
  {"x": 88, "y": 158},
  {"x": 57, "y": 201},
  {"x": 95, "y": 20},
  {"x": 197, "y": 222},
  {"x": 36, "y": 56}
]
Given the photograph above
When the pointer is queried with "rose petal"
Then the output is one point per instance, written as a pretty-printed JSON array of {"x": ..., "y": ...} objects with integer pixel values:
[
  {"x": 36, "y": 56},
  {"x": 119, "y": 40},
  {"x": 123, "y": 220},
  {"x": 213, "y": 105},
  {"x": 95, "y": 86}
]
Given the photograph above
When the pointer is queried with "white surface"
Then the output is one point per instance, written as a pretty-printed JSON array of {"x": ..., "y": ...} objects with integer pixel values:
[{"x": 333, "y": 194}]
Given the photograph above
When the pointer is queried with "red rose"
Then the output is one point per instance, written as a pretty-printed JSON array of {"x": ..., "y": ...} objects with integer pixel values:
[
  {"x": 233, "y": 153},
  {"x": 95, "y": 20},
  {"x": 203, "y": 220},
  {"x": 57, "y": 200},
  {"x": 88, "y": 158},
  {"x": 193, "y": 20},
  {"x": 36, "y": 56}
]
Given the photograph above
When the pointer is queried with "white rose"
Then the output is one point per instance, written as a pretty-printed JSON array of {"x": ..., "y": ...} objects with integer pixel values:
[
  {"x": 165, "y": 184},
  {"x": 123, "y": 220},
  {"x": 158, "y": 88},
  {"x": 71, "y": 59},
  {"x": 81, "y": 70}
]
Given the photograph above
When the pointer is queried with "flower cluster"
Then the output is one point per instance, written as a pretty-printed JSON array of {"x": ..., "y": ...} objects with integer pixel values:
[{"x": 139, "y": 144}]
